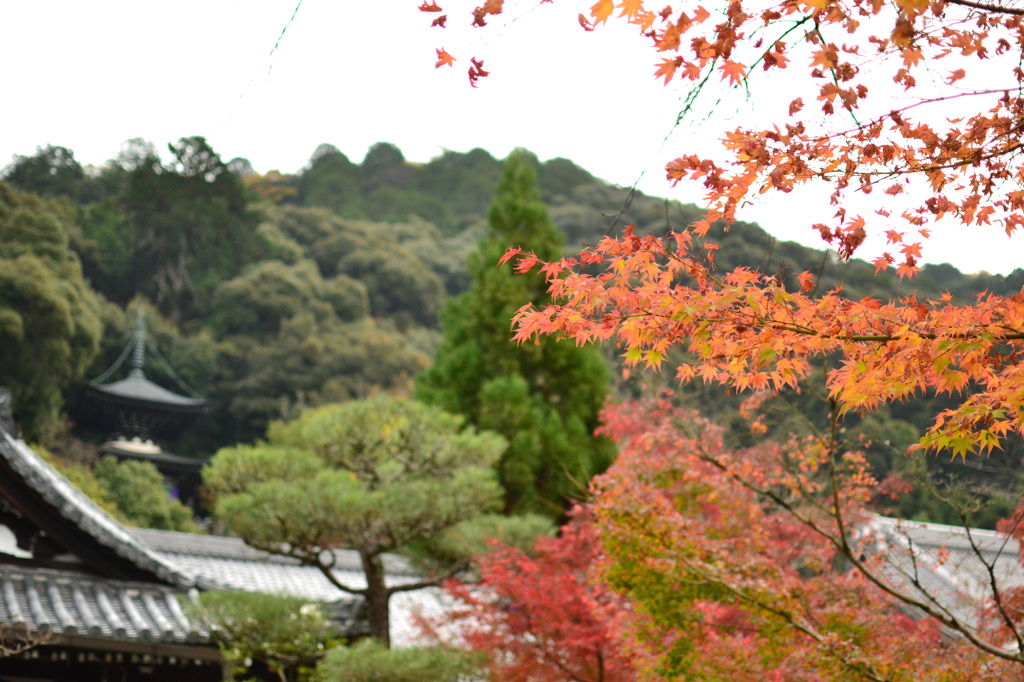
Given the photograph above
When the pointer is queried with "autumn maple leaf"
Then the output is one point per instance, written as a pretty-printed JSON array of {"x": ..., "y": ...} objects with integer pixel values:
[
  {"x": 443, "y": 58},
  {"x": 667, "y": 68},
  {"x": 734, "y": 71},
  {"x": 601, "y": 10}
]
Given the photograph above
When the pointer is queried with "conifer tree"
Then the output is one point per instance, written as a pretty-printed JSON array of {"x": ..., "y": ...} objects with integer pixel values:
[{"x": 545, "y": 397}]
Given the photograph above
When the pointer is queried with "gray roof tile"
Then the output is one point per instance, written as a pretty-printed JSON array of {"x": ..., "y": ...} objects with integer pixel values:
[{"x": 63, "y": 602}]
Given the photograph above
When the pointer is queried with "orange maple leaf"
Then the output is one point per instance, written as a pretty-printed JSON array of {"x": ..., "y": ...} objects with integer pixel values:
[
  {"x": 631, "y": 8},
  {"x": 907, "y": 270},
  {"x": 432, "y": 7},
  {"x": 601, "y": 10},
  {"x": 734, "y": 71},
  {"x": 443, "y": 58},
  {"x": 667, "y": 68},
  {"x": 510, "y": 253}
]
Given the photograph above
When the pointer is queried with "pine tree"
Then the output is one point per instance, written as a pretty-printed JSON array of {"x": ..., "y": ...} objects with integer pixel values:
[{"x": 543, "y": 398}]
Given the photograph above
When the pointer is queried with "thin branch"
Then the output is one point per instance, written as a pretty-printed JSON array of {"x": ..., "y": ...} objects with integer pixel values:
[{"x": 986, "y": 7}]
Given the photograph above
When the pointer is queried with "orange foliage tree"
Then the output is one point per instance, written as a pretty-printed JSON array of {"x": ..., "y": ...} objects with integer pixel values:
[{"x": 947, "y": 149}]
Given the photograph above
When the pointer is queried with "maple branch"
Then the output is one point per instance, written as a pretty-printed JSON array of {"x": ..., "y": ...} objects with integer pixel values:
[
  {"x": 986, "y": 7},
  {"x": 932, "y": 607},
  {"x": 798, "y": 623},
  {"x": 785, "y": 33},
  {"x": 899, "y": 110},
  {"x": 993, "y": 584},
  {"x": 841, "y": 542}
]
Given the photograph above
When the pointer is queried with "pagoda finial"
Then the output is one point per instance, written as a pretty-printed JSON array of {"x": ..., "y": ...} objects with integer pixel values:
[{"x": 139, "y": 343}]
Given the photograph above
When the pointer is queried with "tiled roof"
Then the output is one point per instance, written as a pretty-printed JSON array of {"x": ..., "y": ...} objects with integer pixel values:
[{"x": 66, "y": 603}]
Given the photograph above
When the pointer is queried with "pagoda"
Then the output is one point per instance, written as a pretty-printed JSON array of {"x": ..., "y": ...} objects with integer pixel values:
[{"x": 138, "y": 413}]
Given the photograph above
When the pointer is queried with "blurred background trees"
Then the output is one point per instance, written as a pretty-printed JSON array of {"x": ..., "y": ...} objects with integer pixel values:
[{"x": 280, "y": 291}]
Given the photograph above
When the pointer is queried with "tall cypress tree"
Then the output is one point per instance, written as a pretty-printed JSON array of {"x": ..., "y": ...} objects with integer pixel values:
[{"x": 543, "y": 398}]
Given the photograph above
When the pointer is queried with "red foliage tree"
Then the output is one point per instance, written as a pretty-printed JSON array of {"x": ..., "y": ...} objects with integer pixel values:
[{"x": 540, "y": 618}]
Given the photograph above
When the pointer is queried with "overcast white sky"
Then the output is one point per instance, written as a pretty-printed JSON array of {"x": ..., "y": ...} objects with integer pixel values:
[{"x": 88, "y": 76}]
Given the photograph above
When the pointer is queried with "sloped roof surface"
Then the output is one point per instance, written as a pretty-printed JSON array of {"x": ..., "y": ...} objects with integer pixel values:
[
  {"x": 76, "y": 603},
  {"x": 65, "y": 603}
]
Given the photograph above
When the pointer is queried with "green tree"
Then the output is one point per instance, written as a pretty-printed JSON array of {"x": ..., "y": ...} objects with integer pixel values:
[
  {"x": 51, "y": 172},
  {"x": 368, "y": 661},
  {"x": 332, "y": 182},
  {"x": 287, "y": 634},
  {"x": 137, "y": 490},
  {"x": 374, "y": 476},
  {"x": 49, "y": 316},
  {"x": 543, "y": 398},
  {"x": 189, "y": 227}
]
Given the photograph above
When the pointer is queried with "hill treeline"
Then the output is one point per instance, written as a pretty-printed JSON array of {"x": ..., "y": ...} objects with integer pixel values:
[{"x": 267, "y": 293}]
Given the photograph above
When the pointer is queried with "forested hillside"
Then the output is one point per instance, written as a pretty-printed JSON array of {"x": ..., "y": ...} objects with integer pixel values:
[{"x": 271, "y": 292}]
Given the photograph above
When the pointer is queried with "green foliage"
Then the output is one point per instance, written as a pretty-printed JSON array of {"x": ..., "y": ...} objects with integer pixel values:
[
  {"x": 333, "y": 182},
  {"x": 269, "y": 292},
  {"x": 186, "y": 226},
  {"x": 544, "y": 398},
  {"x": 51, "y": 172},
  {"x": 397, "y": 281},
  {"x": 287, "y": 634},
  {"x": 369, "y": 661},
  {"x": 49, "y": 317},
  {"x": 137, "y": 489},
  {"x": 81, "y": 476},
  {"x": 132, "y": 492},
  {"x": 310, "y": 361}
]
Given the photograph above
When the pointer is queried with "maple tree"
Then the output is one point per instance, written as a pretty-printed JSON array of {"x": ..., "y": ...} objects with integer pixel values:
[
  {"x": 728, "y": 560},
  {"x": 539, "y": 618}
]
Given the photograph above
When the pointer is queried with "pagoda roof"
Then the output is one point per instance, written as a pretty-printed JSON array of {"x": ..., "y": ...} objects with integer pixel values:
[{"x": 137, "y": 389}]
